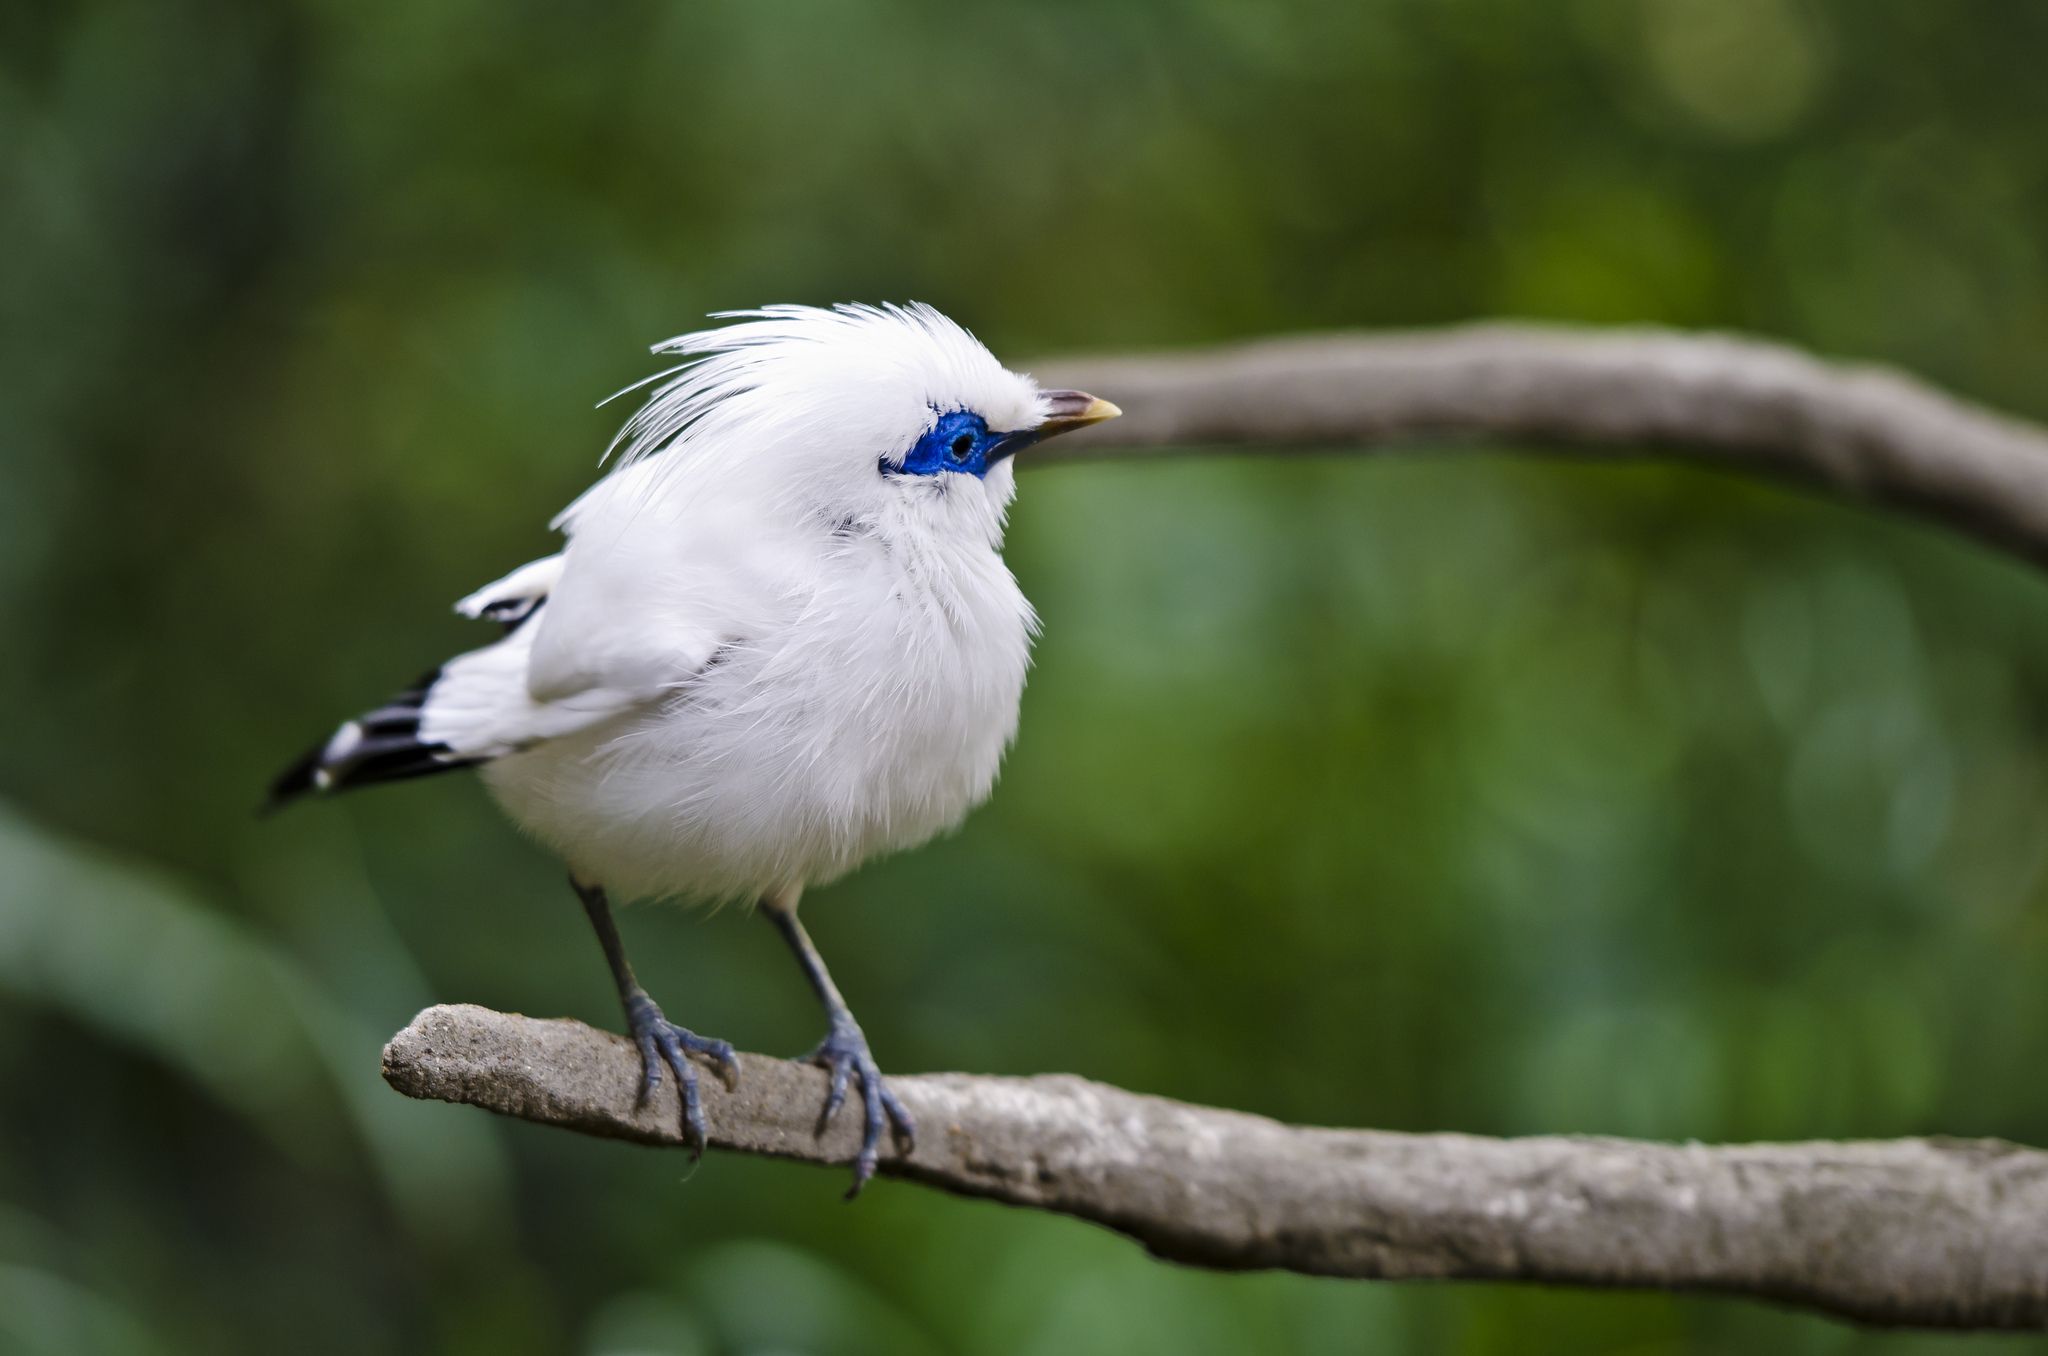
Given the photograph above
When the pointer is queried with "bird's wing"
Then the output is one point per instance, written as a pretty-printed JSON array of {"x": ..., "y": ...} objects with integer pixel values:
[
  {"x": 480, "y": 705},
  {"x": 585, "y": 644},
  {"x": 579, "y": 650}
]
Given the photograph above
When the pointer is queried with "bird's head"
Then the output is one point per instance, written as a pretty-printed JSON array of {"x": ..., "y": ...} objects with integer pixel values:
[{"x": 855, "y": 413}]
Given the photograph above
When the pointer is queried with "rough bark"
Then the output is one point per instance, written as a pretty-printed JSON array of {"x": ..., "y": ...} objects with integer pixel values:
[
  {"x": 1940, "y": 1233},
  {"x": 1742, "y": 404}
]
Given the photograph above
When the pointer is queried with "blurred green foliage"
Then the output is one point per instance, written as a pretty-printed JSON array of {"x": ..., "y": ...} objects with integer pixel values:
[{"x": 1468, "y": 792}]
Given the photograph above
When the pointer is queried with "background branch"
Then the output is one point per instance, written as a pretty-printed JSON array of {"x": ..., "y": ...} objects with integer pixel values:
[
  {"x": 1950, "y": 1233},
  {"x": 1743, "y": 404}
]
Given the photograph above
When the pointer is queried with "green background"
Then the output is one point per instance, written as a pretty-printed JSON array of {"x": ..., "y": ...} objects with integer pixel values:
[{"x": 1463, "y": 792}]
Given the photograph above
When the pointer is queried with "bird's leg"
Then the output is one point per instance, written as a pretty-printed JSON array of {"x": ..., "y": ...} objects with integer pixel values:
[
  {"x": 844, "y": 1052},
  {"x": 660, "y": 1040}
]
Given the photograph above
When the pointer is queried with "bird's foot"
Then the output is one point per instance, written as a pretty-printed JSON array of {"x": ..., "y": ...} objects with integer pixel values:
[
  {"x": 663, "y": 1042},
  {"x": 844, "y": 1053}
]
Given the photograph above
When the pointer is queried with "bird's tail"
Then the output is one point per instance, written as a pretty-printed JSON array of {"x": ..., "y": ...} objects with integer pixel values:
[{"x": 383, "y": 745}]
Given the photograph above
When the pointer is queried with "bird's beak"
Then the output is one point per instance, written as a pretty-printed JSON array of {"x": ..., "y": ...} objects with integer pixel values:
[{"x": 1069, "y": 410}]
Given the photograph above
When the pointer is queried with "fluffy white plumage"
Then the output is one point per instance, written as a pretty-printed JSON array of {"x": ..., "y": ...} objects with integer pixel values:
[{"x": 760, "y": 660}]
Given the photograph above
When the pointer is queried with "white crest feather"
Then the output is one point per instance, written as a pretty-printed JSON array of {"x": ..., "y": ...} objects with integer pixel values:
[{"x": 787, "y": 394}]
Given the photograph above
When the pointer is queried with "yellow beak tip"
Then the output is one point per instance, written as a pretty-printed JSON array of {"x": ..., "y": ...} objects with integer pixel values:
[{"x": 1069, "y": 410}]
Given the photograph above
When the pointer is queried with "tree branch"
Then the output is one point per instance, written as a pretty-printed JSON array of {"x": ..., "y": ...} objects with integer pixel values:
[
  {"x": 1940, "y": 1233},
  {"x": 1742, "y": 404}
]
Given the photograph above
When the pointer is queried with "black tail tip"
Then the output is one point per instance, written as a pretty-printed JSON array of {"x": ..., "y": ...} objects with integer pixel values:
[{"x": 300, "y": 779}]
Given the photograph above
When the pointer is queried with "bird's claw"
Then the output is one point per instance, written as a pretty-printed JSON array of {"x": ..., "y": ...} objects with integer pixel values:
[
  {"x": 844, "y": 1053},
  {"x": 663, "y": 1042}
]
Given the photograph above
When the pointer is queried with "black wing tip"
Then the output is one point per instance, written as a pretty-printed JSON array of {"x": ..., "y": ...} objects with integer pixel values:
[{"x": 511, "y": 613}]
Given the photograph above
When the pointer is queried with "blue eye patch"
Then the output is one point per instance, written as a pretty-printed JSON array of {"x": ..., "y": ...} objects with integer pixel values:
[{"x": 960, "y": 442}]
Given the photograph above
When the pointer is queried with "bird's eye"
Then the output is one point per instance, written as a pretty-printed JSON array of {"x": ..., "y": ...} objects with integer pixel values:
[{"x": 962, "y": 445}]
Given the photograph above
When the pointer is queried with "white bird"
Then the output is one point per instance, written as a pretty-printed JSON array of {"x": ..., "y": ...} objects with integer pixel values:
[{"x": 780, "y": 640}]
